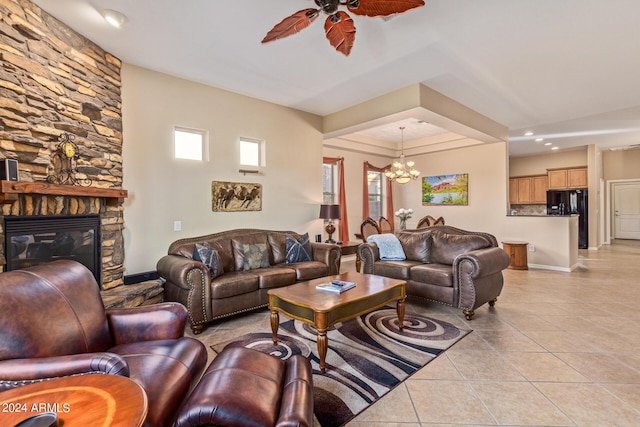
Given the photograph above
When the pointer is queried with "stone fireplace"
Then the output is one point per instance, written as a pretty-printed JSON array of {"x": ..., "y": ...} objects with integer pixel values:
[
  {"x": 53, "y": 81},
  {"x": 75, "y": 210}
]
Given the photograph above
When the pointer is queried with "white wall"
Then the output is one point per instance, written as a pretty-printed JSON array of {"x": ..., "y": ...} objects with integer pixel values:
[
  {"x": 485, "y": 164},
  {"x": 163, "y": 190},
  {"x": 538, "y": 164}
]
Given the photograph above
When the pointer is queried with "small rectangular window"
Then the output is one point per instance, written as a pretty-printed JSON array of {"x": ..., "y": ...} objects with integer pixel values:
[
  {"x": 375, "y": 193},
  {"x": 251, "y": 152},
  {"x": 190, "y": 144},
  {"x": 329, "y": 175}
]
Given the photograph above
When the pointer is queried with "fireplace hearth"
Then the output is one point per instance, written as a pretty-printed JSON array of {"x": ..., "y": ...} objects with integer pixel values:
[{"x": 32, "y": 240}]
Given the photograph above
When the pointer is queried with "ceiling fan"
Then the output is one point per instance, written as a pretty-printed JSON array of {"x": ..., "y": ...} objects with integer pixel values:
[{"x": 339, "y": 27}]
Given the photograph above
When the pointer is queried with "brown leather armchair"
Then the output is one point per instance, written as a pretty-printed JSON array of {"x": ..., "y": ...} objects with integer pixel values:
[
  {"x": 244, "y": 387},
  {"x": 53, "y": 323}
]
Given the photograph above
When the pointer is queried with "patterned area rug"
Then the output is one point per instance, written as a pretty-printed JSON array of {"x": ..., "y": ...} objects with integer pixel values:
[{"x": 367, "y": 357}]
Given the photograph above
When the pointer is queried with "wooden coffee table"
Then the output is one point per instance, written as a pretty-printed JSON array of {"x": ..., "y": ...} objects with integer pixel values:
[
  {"x": 79, "y": 401},
  {"x": 322, "y": 310}
]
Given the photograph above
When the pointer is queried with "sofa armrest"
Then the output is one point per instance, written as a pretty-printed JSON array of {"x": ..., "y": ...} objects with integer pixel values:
[
  {"x": 147, "y": 323},
  {"x": 481, "y": 262},
  {"x": 329, "y": 254},
  {"x": 369, "y": 254},
  {"x": 19, "y": 372},
  {"x": 296, "y": 404},
  {"x": 193, "y": 286},
  {"x": 478, "y": 276}
]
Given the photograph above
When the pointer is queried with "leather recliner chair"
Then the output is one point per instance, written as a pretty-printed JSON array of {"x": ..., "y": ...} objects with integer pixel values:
[{"x": 53, "y": 323}]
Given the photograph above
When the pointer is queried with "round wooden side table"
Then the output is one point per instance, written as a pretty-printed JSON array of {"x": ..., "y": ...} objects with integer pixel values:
[
  {"x": 517, "y": 251},
  {"x": 97, "y": 400}
]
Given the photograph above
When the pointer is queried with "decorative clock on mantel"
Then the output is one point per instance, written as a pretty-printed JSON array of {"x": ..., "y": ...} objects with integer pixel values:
[{"x": 65, "y": 163}]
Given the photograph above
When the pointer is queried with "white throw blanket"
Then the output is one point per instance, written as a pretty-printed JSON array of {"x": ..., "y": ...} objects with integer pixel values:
[{"x": 389, "y": 246}]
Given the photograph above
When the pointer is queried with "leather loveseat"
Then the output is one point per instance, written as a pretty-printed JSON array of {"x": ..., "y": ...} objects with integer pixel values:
[
  {"x": 53, "y": 324},
  {"x": 238, "y": 283},
  {"x": 445, "y": 264}
]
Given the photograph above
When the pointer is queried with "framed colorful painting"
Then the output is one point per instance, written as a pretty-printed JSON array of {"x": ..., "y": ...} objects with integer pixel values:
[{"x": 445, "y": 190}]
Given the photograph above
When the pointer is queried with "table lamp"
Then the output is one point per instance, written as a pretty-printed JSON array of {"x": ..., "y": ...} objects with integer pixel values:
[{"x": 330, "y": 212}]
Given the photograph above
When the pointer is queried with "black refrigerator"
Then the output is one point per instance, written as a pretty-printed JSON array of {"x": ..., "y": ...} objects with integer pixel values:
[{"x": 571, "y": 202}]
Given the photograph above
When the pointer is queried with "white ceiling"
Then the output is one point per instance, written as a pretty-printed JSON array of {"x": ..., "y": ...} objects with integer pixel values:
[{"x": 567, "y": 70}]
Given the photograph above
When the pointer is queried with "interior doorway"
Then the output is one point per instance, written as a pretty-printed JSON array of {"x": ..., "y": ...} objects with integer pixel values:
[{"x": 625, "y": 210}]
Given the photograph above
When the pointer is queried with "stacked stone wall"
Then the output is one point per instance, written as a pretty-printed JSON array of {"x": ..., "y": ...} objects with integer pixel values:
[{"x": 54, "y": 81}]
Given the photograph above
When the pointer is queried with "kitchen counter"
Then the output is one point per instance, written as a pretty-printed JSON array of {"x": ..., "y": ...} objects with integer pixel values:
[
  {"x": 544, "y": 215},
  {"x": 553, "y": 243}
]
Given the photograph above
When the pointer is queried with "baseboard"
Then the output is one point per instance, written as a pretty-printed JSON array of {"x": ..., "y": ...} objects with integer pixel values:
[
  {"x": 132, "y": 279},
  {"x": 552, "y": 267}
]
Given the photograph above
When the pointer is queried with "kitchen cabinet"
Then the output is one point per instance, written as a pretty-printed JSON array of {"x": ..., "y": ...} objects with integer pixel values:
[
  {"x": 561, "y": 179},
  {"x": 528, "y": 190},
  {"x": 557, "y": 178},
  {"x": 539, "y": 187},
  {"x": 577, "y": 178}
]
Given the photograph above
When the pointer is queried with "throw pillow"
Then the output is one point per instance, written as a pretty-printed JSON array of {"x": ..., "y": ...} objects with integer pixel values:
[
  {"x": 389, "y": 246},
  {"x": 416, "y": 245},
  {"x": 298, "y": 250},
  {"x": 209, "y": 257},
  {"x": 446, "y": 247},
  {"x": 256, "y": 255}
]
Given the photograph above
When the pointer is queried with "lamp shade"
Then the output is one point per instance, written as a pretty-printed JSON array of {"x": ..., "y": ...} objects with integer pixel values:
[{"x": 330, "y": 211}]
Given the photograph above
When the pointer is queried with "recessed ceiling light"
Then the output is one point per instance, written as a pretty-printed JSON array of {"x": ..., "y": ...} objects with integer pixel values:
[
  {"x": 547, "y": 143},
  {"x": 528, "y": 133},
  {"x": 115, "y": 18},
  {"x": 539, "y": 139},
  {"x": 555, "y": 148}
]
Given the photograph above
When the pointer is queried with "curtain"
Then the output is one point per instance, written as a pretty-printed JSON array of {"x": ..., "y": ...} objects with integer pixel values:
[
  {"x": 365, "y": 195},
  {"x": 343, "y": 226}
]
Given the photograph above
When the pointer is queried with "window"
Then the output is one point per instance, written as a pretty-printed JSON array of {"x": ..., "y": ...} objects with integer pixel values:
[
  {"x": 375, "y": 193},
  {"x": 252, "y": 152},
  {"x": 329, "y": 175},
  {"x": 190, "y": 144}
]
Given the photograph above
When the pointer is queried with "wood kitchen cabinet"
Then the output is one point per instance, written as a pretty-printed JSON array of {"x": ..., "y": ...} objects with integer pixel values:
[
  {"x": 577, "y": 178},
  {"x": 513, "y": 190},
  {"x": 561, "y": 179},
  {"x": 539, "y": 187},
  {"x": 528, "y": 190}
]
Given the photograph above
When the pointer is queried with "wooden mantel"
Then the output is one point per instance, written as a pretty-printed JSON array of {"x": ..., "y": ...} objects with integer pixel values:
[{"x": 9, "y": 191}]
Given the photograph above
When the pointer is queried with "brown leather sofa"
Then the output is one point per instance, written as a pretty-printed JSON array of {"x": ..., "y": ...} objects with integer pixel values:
[
  {"x": 53, "y": 323},
  {"x": 244, "y": 387},
  {"x": 445, "y": 264},
  {"x": 237, "y": 289}
]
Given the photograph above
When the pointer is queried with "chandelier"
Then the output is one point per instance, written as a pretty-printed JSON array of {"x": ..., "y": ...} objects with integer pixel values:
[{"x": 401, "y": 171}]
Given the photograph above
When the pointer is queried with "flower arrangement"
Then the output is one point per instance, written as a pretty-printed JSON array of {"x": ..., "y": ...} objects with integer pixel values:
[{"x": 404, "y": 215}]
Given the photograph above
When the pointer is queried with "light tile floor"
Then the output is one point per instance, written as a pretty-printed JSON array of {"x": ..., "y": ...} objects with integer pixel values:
[{"x": 558, "y": 349}]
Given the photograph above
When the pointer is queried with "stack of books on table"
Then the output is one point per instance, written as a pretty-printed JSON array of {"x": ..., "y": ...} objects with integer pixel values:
[{"x": 335, "y": 286}]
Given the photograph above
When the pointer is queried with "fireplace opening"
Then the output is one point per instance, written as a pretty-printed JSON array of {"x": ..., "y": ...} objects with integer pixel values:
[{"x": 33, "y": 240}]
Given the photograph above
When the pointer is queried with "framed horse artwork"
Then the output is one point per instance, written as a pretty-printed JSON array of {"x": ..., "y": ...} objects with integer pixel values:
[{"x": 235, "y": 196}]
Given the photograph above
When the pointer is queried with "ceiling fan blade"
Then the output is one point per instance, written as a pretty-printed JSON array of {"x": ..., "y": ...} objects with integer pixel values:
[
  {"x": 385, "y": 7},
  {"x": 291, "y": 24},
  {"x": 340, "y": 31}
]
